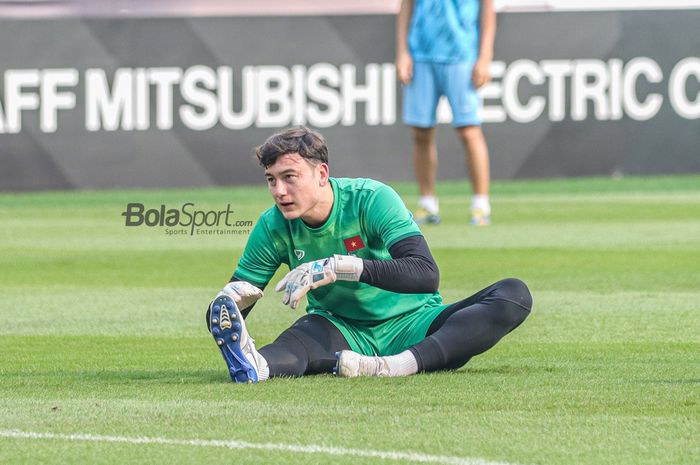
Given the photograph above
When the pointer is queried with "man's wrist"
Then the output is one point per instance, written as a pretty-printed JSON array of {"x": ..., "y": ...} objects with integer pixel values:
[
  {"x": 485, "y": 57},
  {"x": 347, "y": 267}
]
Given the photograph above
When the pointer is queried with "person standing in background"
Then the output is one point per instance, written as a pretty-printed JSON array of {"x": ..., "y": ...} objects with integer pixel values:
[{"x": 445, "y": 47}]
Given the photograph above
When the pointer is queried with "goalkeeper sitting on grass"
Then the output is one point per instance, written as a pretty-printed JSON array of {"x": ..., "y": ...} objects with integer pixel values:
[{"x": 371, "y": 282}]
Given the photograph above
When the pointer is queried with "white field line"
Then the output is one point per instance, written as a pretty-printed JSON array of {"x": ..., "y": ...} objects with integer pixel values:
[{"x": 308, "y": 449}]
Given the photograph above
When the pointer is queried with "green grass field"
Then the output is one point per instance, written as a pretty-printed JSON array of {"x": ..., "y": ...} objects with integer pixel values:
[{"x": 105, "y": 359}]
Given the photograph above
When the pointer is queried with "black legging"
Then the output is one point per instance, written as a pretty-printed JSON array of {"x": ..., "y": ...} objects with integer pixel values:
[
  {"x": 463, "y": 330},
  {"x": 308, "y": 347},
  {"x": 473, "y": 325}
]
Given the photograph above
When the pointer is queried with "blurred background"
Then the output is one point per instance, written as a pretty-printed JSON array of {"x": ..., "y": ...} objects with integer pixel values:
[{"x": 157, "y": 93}]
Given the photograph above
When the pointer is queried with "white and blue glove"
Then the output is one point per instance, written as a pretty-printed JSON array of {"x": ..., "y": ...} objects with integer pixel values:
[
  {"x": 318, "y": 273},
  {"x": 242, "y": 292}
]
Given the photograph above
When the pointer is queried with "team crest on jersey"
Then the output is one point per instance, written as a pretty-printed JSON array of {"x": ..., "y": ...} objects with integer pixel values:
[
  {"x": 299, "y": 253},
  {"x": 353, "y": 244}
]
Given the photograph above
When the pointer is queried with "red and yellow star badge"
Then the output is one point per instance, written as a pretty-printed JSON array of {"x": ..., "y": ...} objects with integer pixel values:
[{"x": 353, "y": 243}]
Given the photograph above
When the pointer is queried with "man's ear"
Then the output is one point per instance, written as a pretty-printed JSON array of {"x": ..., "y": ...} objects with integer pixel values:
[{"x": 323, "y": 174}]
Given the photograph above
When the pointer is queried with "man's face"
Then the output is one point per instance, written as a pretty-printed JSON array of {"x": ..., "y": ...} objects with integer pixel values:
[{"x": 296, "y": 185}]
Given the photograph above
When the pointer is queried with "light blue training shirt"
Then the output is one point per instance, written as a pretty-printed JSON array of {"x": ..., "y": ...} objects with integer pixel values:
[{"x": 444, "y": 31}]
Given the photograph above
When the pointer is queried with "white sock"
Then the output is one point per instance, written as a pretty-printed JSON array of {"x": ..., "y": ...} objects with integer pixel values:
[
  {"x": 430, "y": 203},
  {"x": 481, "y": 202},
  {"x": 260, "y": 363},
  {"x": 263, "y": 370},
  {"x": 403, "y": 364}
]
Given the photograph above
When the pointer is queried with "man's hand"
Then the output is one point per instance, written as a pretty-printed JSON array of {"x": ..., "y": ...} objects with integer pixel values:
[
  {"x": 404, "y": 67},
  {"x": 480, "y": 73},
  {"x": 315, "y": 274},
  {"x": 242, "y": 292}
]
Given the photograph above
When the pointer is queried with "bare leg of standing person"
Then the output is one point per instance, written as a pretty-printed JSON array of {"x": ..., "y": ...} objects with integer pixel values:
[
  {"x": 425, "y": 163},
  {"x": 477, "y": 157}
]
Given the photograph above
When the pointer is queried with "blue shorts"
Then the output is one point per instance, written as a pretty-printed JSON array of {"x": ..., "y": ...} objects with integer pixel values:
[{"x": 432, "y": 80}]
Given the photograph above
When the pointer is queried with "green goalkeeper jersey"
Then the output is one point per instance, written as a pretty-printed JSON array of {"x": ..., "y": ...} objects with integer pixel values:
[{"x": 366, "y": 219}]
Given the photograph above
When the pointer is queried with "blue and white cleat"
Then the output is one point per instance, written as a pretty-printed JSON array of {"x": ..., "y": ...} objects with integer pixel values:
[
  {"x": 238, "y": 348},
  {"x": 423, "y": 216},
  {"x": 480, "y": 217}
]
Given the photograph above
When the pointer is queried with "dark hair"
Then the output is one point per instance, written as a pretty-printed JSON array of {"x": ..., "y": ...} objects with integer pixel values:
[{"x": 299, "y": 139}]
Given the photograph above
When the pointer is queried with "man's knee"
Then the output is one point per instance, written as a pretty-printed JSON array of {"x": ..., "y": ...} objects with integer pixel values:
[
  {"x": 516, "y": 291},
  {"x": 517, "y": 302},
  {"x": 423, "y": 136},
  {"x": 470, "y": 134}
]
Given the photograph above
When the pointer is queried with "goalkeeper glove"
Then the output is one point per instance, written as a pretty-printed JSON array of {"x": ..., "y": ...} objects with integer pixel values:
[
  {"x": 315, "y": 274},
  {"x": 242, "y": 292}
]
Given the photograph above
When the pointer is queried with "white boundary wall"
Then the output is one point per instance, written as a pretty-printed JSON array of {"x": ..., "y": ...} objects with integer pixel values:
[
  {"x": 212, "y": 8},
  {"x": 593, "y": 5}
]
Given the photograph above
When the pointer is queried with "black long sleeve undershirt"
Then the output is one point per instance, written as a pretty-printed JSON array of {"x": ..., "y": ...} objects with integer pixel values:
[{"x": 412, "y": 269}]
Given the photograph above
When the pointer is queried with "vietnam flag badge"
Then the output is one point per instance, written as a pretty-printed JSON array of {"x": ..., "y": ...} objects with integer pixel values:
[{"x": 353, "y": 244}]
